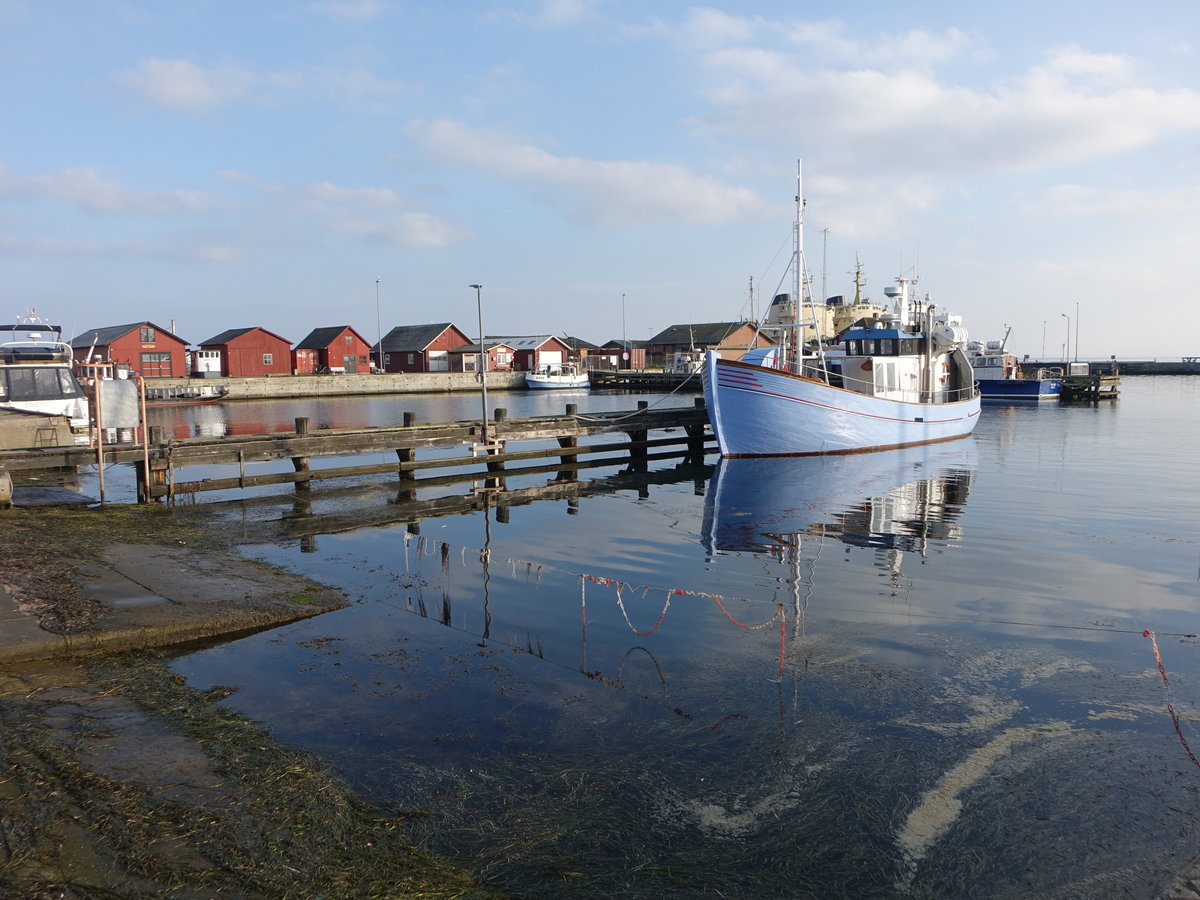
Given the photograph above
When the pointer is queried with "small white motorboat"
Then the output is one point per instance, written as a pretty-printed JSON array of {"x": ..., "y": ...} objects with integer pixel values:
[{"x": 566, "y": 375}]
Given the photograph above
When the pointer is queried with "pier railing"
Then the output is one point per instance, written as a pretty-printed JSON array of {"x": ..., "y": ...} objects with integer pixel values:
[{"x": 162, "y": 465}]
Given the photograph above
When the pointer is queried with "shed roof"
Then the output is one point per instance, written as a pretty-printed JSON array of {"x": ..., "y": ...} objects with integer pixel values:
[
  {"x": 320, "y": 338},
  {"x": 529, "y": 341},
  {"x": 413, "y": 337},
  {"x": 226, "y": 336},
  {"x": 709, "y": 334},
  {"x": 110, "y": 333}
]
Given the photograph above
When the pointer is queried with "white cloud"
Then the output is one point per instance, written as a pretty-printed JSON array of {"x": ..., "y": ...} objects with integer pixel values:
[
  {"x": 87, "y": 189},
  {"x": 375, "y": 213},
  {"x": 1085, "y": 201},
  {"x": 616, "y": 192},
  {"x": 182, "y": 85},
  {"x": 556, "y": 13},
  {"x": 350, "y": 10},
  {"x": 1075, "y": 107},
  {"x": 182, "y": 249}
]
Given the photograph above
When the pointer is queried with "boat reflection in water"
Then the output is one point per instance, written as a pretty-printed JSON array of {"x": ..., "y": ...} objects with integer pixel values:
[{"x": 898, "y": 501}]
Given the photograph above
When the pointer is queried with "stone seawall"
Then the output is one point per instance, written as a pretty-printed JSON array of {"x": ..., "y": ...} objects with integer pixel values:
[{"x": 342, "y": 385}]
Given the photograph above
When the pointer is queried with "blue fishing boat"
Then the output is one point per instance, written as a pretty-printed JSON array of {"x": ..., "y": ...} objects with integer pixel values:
[{"x": 1000, "y": 377}]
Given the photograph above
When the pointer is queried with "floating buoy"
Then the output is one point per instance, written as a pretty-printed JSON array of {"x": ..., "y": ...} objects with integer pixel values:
[{"x": 5, "y": 489}]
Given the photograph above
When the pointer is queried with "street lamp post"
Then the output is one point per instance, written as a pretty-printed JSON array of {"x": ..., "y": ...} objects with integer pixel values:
[
  {"x": 482, "y": 359},
  {"x": 624, "y": 343},
  {"x": 378, "y": 325},
  {"x": 1067, "y": 349},
  {"x": 1076, "y": 359}
]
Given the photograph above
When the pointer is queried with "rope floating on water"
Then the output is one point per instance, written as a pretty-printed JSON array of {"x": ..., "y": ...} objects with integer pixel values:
[{"x": 1170, "y": 706}]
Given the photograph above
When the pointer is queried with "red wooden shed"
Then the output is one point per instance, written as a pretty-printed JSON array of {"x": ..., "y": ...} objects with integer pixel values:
[
  {"x": 154, "y": 352},
  {"x": 337, "y": 348},
  {"x": 247, "y": 352},
  {"x": 421, "y": 348}
]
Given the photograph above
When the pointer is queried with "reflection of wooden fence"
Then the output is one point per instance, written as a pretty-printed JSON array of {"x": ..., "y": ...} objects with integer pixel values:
[{"x": 493, "y": 460}]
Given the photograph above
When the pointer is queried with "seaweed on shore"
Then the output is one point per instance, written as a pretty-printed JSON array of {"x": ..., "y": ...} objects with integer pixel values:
[{"x": 236, "y": 814}]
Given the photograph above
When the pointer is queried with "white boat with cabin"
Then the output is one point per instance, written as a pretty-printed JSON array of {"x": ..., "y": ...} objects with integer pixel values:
[
  {"x": 556, "y": 375},
  {"x": 36, "y": 374},
  {"x": 898, "y": 381}
]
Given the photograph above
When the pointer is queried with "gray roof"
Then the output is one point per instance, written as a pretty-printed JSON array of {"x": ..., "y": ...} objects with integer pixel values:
[
  {"x": 226, "y": 336},
  {"x": 474, "y": 348},
  {"x": 578, "y": 344},
  {"x": 708, "y": 334},
  {"x": 320, "y": 338},
  {"x": 526, "y": 341},
  {"x": 410, "y": 338},
  {"x": 110, "y": 333}
]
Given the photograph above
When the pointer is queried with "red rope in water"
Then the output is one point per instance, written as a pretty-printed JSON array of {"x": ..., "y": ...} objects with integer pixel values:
[{"x": 1170, "y": 707}]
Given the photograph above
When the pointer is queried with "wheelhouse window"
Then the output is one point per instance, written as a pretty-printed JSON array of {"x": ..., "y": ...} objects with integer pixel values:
[
  {"x": 39, "y": 384},
  {"x": 147, "y": 334}
]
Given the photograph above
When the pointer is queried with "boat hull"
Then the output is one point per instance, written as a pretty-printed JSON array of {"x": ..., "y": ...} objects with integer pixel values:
[
  {"x": 555, "y": 382},
  {"x": 758, "y": 411},
  {"x": 1019, "y": 389}
]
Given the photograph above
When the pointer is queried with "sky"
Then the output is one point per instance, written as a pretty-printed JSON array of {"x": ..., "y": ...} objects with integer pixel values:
[{"x": 602, "y": 168}]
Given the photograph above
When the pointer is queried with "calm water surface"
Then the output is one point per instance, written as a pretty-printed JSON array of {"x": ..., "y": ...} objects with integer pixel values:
[{"x": 918, "y": 673}]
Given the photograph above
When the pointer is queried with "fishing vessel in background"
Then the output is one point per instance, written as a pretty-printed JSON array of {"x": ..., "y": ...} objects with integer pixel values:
[
  {"x": 901, "y": 380},
  {"x": 1000, "y": 377}
]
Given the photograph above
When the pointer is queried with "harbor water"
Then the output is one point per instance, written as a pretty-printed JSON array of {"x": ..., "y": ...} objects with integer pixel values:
[{"x": 923, "y": 673}]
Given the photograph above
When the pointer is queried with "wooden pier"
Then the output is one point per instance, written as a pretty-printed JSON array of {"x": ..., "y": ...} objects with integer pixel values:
[
  {"x": 490, "y": 456},
  {"x": 1090, "y": 388},
  {"x": 643, "y": 381}
]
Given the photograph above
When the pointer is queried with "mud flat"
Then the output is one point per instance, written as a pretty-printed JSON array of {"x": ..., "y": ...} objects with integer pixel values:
[{"x": 118, "y": 779}]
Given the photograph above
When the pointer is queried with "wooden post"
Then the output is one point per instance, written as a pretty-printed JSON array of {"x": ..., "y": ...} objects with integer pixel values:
[
  {"x": 695, "y": 435},
  {"x": 408, "y": 477},
  {"x": 410, "y": 419},
  {"x": 571, "y": 474},
  {"x": 300, "y": 463}
]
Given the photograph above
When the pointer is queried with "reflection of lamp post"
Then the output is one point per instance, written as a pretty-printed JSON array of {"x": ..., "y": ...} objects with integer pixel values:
[
  {"x": 482, "y": 358},
  {"x": 1067, "y": 348},
  {"x": 378, "y": 326}
]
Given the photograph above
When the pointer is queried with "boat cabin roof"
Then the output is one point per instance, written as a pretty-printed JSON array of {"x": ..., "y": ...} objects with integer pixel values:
[{"x": 874, "y": 334}]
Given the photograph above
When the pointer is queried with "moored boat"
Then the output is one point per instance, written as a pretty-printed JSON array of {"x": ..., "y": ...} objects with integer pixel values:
[
  {"x": 36, "y": 373},
  {"x": 999, "y": 376},
  {"x": 565, "y": 375},
  {"x": 898, "y": 381}
]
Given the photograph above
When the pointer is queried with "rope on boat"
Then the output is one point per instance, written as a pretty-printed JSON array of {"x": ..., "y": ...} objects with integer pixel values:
[{"x": 1170, "y": 706}]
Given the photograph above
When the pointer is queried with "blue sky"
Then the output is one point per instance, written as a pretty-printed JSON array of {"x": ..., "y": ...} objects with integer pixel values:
[{"x": 602, "y": 167}]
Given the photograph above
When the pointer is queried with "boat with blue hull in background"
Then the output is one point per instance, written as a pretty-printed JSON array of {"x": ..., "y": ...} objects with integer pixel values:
[{"x": 999, "y": 375}]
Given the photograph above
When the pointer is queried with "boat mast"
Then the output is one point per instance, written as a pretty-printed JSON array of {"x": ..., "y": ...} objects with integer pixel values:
[
  {"x": 799, "y": 284},
  {"x": 797, "y": 269}
]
